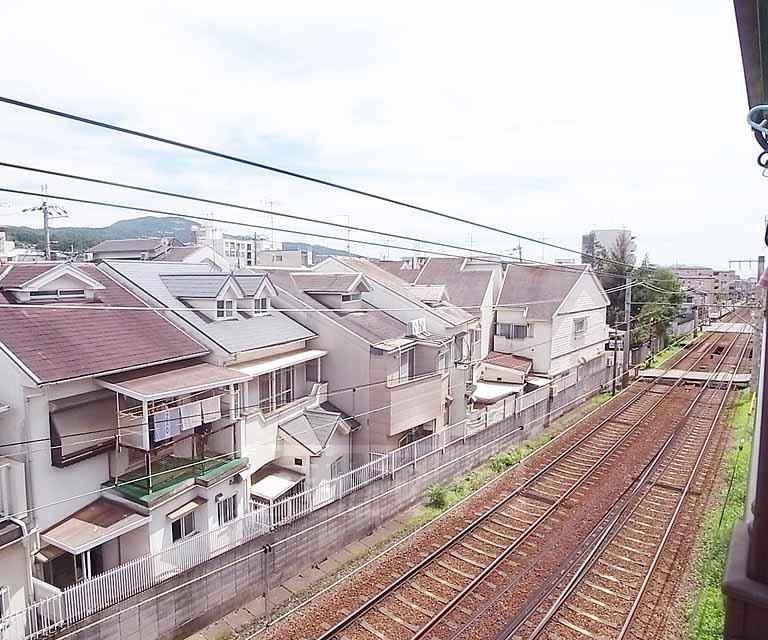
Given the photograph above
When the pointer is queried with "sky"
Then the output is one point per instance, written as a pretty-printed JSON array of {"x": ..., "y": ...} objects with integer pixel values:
[{"x": 544, "y": 119}]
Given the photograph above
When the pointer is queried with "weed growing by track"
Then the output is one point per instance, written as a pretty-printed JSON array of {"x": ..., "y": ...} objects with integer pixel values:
[
  {"x": 705, "y": 614},
  {"x": 672, "y": 350}
]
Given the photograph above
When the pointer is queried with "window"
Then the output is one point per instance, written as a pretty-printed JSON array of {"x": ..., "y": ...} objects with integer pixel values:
[
  {"x": 5, "y": 601},
  {"x": 313, "y": 370},
  {"x": 444, "y": 361},
  {"x": 225, "y": 309},
  {"x": 514, "y": 331},
  {"x": 183, "y": 527},
  {"x": 276, "y": 389},
  {"x": 57, "y": 294},
  {"x": 277, "y": 258},
  {"x": 407, "y": 364},
  {"x": 227, "y": 509},
  {"x": 298, "y": 462},
  {"x": 261, "y": 305},
  {"x": 349, "y": 297},
  {"x": 579, "y": 327}
]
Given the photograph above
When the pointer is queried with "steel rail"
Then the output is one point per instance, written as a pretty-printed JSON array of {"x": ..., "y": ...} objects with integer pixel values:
[
  {"x": 332, "y": 632},
  {"x": 613, "y": 529}
]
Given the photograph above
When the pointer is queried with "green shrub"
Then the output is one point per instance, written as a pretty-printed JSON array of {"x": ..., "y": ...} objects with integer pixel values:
[{"x": 438, "y": 497}]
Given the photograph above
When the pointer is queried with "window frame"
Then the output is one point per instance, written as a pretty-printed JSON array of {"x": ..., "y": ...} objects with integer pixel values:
[
  {"x": 261, "y": 306},
  {"x": 579, "y": 332},
  {"x": 57, "y": 294},
  {"x": 410, "y": 364},
  {"x": 185, "y": 530},
  {"x": 225, "y": 309},
  {"x": 226, "y": 509}
]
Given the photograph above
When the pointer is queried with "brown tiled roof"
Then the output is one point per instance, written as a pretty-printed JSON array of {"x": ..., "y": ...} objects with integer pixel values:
[
  {"x": 57, "y": 343},
  {"x": 508, "y": 361}
]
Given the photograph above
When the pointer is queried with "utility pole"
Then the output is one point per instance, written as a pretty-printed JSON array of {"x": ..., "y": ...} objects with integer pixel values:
[
  {"x": 615, "y": 357},
  {"x": 627, "y": 336},
  {"x": 349, "y": 248},
  {"x": 49, "y": 211}
]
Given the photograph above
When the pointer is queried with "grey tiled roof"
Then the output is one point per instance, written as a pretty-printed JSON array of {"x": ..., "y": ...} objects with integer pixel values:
[
  {"x": 446, "y": 311},
  {"x": 244, "y": 334},
  {"x": 195, "y": 284},
  {"x": 466, "y": 289},
  {"x": 541, "y": 289},
  {"x": 326, "y": 282},
  {"x": 371, "y": 326},
  {"x": 176, "y": 254}
]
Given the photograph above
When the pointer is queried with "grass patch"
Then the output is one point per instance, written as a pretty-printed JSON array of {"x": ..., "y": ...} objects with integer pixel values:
[
  {"x": 705, "y": 613},
  {"x": 442, "y": 497},
  {"x": 673, "y": 349}
]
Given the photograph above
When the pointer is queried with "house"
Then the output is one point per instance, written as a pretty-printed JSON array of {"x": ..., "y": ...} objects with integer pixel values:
[
  {"x": 553, "y": 317},
  {"x": 291, "y": 259},
  {"x": 288, "y": 426},
  {"x": 131, "y": 249},
  {"x": 114, "y": 472},
  {"x": 471, "y": 284},
  {"x": 391, "y": 375},
  {"x": 203, "y": 255},
  {"x": 440, "y": 317}
]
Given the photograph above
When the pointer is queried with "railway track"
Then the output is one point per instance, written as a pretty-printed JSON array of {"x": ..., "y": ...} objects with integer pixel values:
[
  {"x": 600, "y": 592},
  {"x": 451, "y": 584}
]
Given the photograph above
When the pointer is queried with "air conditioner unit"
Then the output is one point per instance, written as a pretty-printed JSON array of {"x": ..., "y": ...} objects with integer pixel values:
[{"x": 415, "y": 328}]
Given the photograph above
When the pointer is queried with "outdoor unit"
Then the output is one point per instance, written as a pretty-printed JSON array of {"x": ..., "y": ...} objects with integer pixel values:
[{"x": 416, "y": 328}]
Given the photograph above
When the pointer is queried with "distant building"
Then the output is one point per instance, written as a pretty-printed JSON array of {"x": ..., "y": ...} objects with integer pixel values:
[
  {"x": 240, "y": 251},
  {"x": 698, "y": 282},
  {"x": 608, "y": 239},
  {"x": 291, "y": 259},
  {"x": 9, "y": 252},
  {"x": 131, "y": 249}
]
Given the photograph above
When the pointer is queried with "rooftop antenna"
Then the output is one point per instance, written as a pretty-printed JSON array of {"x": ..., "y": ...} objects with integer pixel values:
[
  {"x": 346, "y": 215},
  {"x": 270, "y": 204},
  {"x": 49, "y": 211}
]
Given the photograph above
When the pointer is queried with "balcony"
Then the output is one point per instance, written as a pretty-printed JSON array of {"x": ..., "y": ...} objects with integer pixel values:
[{"x": 173, "y": 473}]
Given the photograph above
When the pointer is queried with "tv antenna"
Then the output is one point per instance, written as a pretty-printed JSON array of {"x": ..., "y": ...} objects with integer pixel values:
[{"x": 49, "y": 211}]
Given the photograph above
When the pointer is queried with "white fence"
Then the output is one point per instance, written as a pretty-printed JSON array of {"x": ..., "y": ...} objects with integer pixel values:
[
  {"x": 89, "y": 596},
  {"x": 566, "y": 382}
]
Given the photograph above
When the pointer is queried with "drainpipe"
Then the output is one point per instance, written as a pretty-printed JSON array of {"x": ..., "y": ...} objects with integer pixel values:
[
  {"x": 25, "y": 538},
  {"x": 27, "y": 436}
]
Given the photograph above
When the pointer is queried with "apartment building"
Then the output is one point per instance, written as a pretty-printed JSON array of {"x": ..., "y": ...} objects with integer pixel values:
[
  {"x": 553, "y": 321},
  {"x": 391, "y": 375},
  {"x": 290, "y": 433},
  {"x": 441, "y": 318},
  {"x": 699, "y": 284}
]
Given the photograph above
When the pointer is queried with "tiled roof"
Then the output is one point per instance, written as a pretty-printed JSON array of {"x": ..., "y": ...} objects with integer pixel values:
[
  {"x": 541, "y": 289},
  {"x": 373, "y": 327},
  {"x": 446, "y": 312},
  {"x": 466, "y": 289},
  {"x": 508, "y": 361},
  {"x": 244, "y": 334},
  {"x": 395, "y": 268},
  {"x": 57, "y": 343},
  {"x": 326, "y": 282},
  {"x": 429, "y": 292},
  {"x": 176, "y": 254},
  {"x": 133, "y": 244},
  {"x": 196, "y": 284}
]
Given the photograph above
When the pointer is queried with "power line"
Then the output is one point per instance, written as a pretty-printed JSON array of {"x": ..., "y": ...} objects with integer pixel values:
[{"x": 293, "y": 174}]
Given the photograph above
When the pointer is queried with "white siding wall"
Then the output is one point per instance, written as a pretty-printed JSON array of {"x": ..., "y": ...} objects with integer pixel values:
[
  {"x": 486, "y": 322},
  {"x": 537, "y": 348}
]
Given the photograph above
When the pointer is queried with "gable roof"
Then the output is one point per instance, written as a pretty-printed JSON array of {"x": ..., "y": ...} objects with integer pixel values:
[
  {"x": 318, "y": 282},
  {"x": 195, "y": 284},
  {"x": 55, "y": 344},
  {"x": 176, "y": 254},
  {"x": 314, "y": 428},
  {"x": 244, "y": 334},
  {"x": 466, "y": 289},
  {"x": 447, "y": 312},
  {"x": 509, "y": 361},
  {"x": 132, "y": 244},
  {"x": 539, "y": 288},
  {"x": 372, "y": 326},
  {"x": 63, "y": 268}
]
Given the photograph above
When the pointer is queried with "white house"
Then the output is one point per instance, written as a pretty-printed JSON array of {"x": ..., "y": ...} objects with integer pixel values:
[
  {"x": 392, "y": 376},
  {"x": 289, "y": 430},
  {"x": 553, "y": 317},
  {"x": 441, "y": 317},
  {"x": 103, "y": 475}
]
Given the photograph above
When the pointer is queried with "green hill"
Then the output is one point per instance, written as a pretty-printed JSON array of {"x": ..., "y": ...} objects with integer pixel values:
[{"x": 81, "y": 238}]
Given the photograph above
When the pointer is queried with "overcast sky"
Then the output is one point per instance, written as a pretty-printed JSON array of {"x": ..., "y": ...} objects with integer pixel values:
[{"x": 544, "y": 118}]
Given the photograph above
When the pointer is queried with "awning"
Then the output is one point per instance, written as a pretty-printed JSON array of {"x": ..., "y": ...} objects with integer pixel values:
[
  {"x": 154, "y": 383},
  {"x": 255, "y": 368},
  {"x": 490, "y": 392},
  {"x": 272, "y": 481},
  {"x": 184, "y": 509},
  {"x": 537, "y": 382},
  {"x": 99, "y": 522}
]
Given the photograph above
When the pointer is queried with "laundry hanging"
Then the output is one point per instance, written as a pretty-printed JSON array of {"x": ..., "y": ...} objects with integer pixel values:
[
  {"x": 211, "y": 408},
  {"x": 190, "y": 416}
]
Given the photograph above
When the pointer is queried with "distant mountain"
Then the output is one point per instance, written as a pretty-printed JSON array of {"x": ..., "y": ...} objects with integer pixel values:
[{"x": 81, "y": 238}]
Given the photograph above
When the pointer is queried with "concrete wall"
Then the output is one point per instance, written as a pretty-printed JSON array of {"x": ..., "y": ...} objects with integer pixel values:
[{"x": 190, "y": 601}]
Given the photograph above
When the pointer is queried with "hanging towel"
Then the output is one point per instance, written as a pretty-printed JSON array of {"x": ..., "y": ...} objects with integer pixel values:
[
  {"x": 190, "y": 416},
  {"x": 211, "y": 408},
  {"x": 174, "y": 421},
  {"x": 162, "y": 423}
]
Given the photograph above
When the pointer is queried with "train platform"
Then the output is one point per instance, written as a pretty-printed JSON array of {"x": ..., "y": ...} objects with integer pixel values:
[{"x": 728, "y": 327}]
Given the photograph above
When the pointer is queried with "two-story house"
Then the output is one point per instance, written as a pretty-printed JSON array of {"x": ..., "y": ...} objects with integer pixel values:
[
  {"x": 392, "y": 376},
  {"x": 426, "y": 303},
  {"x": 551, "y": 318},
  {"x": 95, "y": 382},
  {"x": 289, "y": 431}
]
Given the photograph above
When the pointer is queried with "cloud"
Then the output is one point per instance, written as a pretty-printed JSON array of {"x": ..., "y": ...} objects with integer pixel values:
[{"x": 542, "y": 118}]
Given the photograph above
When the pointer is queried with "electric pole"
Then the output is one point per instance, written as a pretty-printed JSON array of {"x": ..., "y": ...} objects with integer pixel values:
[
  {"x": 49, "y": 211},
  {"x": 627, "y": 333}
]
